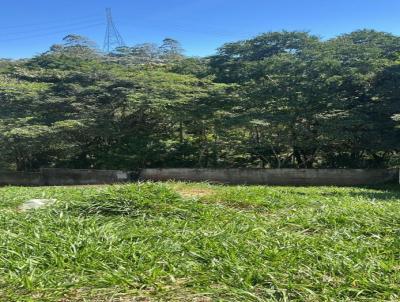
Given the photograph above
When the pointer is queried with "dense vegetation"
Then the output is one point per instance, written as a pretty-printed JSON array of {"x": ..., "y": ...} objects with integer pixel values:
[
  {"x": 281, "y": 99},
  {"x": 214, "y": 244}
]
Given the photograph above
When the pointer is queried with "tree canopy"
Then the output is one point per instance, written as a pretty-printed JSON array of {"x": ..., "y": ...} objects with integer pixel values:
[{"x": 281, "y": 99}]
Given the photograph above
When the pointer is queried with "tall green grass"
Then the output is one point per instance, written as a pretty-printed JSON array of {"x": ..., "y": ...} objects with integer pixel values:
[{"x": 234, "y": 243}]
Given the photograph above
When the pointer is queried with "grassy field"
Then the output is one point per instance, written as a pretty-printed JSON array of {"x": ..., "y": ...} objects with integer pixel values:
[{"x": 200, "y": 242}]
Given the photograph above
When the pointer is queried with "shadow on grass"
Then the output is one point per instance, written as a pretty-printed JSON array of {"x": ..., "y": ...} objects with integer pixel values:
[{"x": 389, "y": 192}]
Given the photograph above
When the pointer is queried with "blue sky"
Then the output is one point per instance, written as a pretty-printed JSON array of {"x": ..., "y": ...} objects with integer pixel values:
[{"x": 28, "y": 27}]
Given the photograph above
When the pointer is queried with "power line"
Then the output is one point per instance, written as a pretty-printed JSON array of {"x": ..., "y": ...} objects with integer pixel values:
[
  {"x": 88, "y": 22},
  {"x": 112, "y": 38},
  {"x": 50, "y": 21},
  {"x": 52, "y": 33}
]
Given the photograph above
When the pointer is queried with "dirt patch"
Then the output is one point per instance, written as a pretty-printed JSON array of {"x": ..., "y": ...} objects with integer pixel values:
[{"x": 194, "y": 192}]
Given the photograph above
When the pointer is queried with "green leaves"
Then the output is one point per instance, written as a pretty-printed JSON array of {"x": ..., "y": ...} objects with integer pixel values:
[{"x": 281, "y": 99}]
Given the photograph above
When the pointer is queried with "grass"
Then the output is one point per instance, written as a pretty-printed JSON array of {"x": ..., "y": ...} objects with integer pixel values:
[{"x": 201, "y": 242}]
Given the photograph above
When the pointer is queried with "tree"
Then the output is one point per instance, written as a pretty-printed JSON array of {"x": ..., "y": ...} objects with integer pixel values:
[
  {"x": 171, "y": 49},
  {"x": 281, "y": 99}
]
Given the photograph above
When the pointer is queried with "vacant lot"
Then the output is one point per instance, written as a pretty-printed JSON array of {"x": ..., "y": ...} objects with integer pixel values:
[{"x": 198, "y": 242}]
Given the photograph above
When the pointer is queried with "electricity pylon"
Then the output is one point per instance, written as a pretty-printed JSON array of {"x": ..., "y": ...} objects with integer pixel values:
[{"x": 113, "y": 39}]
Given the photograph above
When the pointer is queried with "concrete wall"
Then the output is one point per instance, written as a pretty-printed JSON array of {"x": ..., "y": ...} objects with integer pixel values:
[
  {"x": 342, "y": 177},
  {"x": 55, "y": 177},
  {"x": 20, "y": 178}
]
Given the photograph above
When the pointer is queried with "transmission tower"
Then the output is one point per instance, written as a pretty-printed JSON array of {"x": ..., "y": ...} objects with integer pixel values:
[{"x": 113, "y": 39}]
